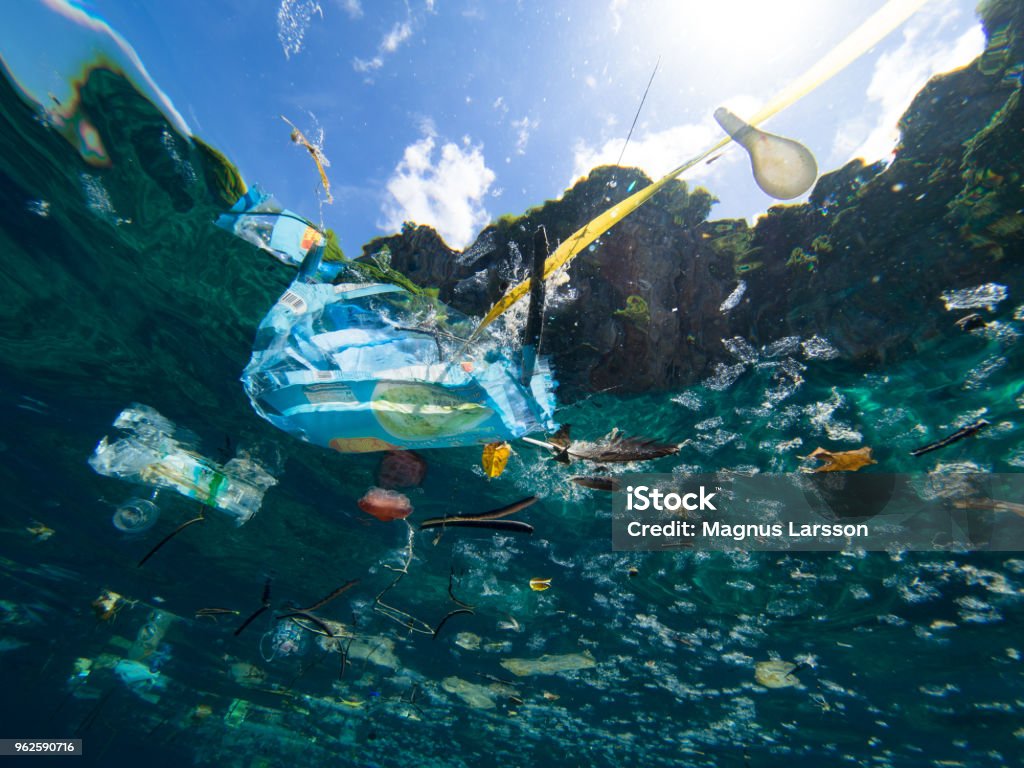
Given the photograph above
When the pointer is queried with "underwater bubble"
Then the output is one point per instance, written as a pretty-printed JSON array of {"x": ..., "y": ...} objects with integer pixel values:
[
  {"x": 136, "y": 516},
  {"x": 987, "y": 295},
  {"x": 817, "y": 348},
  {"x": 741, "y": 349},
  {"x": 976, "y": 376},
  {"x": 695, "y": 402},
  {"x": 724, "y": 376},
  {"x": 712, "y": 423},
  {"x": 294, "y": 18}
]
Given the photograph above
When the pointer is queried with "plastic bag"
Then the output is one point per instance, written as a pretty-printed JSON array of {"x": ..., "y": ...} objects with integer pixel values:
[{"x": 372, "y": 367}]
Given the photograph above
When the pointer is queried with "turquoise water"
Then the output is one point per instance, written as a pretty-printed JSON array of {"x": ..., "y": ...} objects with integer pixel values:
[{"x": 119, "y": 289}]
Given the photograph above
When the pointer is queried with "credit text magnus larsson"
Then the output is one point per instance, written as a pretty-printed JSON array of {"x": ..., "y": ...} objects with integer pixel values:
[{"x": 739, "y": 532}]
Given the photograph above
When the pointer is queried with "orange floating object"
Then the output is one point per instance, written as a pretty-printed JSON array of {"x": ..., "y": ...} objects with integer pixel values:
[{"x": 385, "y": 505}]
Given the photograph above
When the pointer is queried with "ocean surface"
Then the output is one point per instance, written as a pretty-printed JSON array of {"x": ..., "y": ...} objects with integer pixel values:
[{"x": 118, "y": 289}]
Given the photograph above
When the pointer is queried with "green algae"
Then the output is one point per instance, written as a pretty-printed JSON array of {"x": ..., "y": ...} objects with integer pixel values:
[{"x": 636, "y": 311}]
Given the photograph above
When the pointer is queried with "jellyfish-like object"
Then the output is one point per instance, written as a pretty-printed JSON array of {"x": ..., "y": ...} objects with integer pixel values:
[
  {"x": 136, "y": 516},
  {"x": 783, "y": 168},
  {"x": 385, "y": 505}
]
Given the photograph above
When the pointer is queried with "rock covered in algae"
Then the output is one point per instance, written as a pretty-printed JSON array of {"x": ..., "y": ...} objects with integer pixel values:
[
  {"x": 549, "y": 665},
  {"x": 776, "y": 674},
  {"x": 473, "y": 694}
]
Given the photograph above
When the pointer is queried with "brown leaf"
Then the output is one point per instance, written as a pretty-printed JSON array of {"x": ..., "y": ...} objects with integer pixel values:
[{"x": 841, "y": 461}]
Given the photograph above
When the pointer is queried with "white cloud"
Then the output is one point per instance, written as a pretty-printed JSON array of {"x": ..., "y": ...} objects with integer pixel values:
[
  {"x": 616, "y": 8},
  {"x": 353, "y": 8},
  {"x": 445, "y": 192},
  {"x": 390, "y": 43},
  {"x": 367, "y": 65},
  {"x": 524, "y": 128},
  {"x": 898, "y": 76},
  {"x": 656, "y": 153},
  {"x": 398, "y": 35}
]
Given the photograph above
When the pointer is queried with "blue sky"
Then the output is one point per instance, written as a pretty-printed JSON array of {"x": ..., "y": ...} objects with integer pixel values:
[{"x": 454, "y": 112}]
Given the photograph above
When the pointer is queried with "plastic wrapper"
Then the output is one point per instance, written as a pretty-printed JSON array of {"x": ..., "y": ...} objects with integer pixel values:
[
  {"x": 361, "y": 367},
  {"x": 259, "y": 219}
]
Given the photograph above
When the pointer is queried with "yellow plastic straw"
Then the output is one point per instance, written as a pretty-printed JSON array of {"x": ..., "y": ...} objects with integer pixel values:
[{"x": 857, "y": 43}]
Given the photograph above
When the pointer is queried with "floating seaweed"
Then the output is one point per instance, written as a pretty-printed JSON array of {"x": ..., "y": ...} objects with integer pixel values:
[
  {"x": 314, "y": 151},
  {"x": 264, "y": 606},
  {"x": 170, "y": 536},
  {"x": 306, "y": 619},
  {"x": 613, "y": 448},
  {"x": 597, "y": 482},
  {"x": 213, "y": 613},
  {"x": 444, "y": 621},
  {"x": 960, "y": 434},
  {"x": 488, "y": 519}
]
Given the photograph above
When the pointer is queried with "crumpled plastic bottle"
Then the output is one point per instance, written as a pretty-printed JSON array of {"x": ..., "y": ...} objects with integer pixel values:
[{"x": 155, "y": 452}]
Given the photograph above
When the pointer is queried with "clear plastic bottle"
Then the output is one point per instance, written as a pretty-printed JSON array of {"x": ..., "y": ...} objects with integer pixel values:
[{"x": 151, "y": 453}]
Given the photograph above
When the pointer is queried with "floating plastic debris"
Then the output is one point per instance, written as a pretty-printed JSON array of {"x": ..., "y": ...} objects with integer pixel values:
[
  {"x": 361, "y": 367},
  {"x": 987, "y": 296},
  {"x": 386, "y": 505},
  {"x": 495, "y": 458},
  {"x": 150, "y": 635},
  {"x": 108, "y": 604},
  {"x": 136, "y": 516},
  {"x": 549, "y": 665},
  {"x": 135, "y": 674},
  {"x": 149, "y": 453},
  {"x": 401, "y": 469},
  {"x": 776, "y": 674},
  {"x": 783, "y": 168},
  {"x": 468, "y": 641},
  {"x": 540, "y": 585},
  {"x": 474, "y": 694},
  {"x": 40, "y": 531}
]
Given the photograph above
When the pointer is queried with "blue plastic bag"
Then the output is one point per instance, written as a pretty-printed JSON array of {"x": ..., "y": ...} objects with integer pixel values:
[{"x": 372, "y": 367}]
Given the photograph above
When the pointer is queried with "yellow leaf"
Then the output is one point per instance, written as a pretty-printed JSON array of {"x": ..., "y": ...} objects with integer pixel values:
[
  {"x": 495, "y": 458},
  {"x": 842, "y": 461}
]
